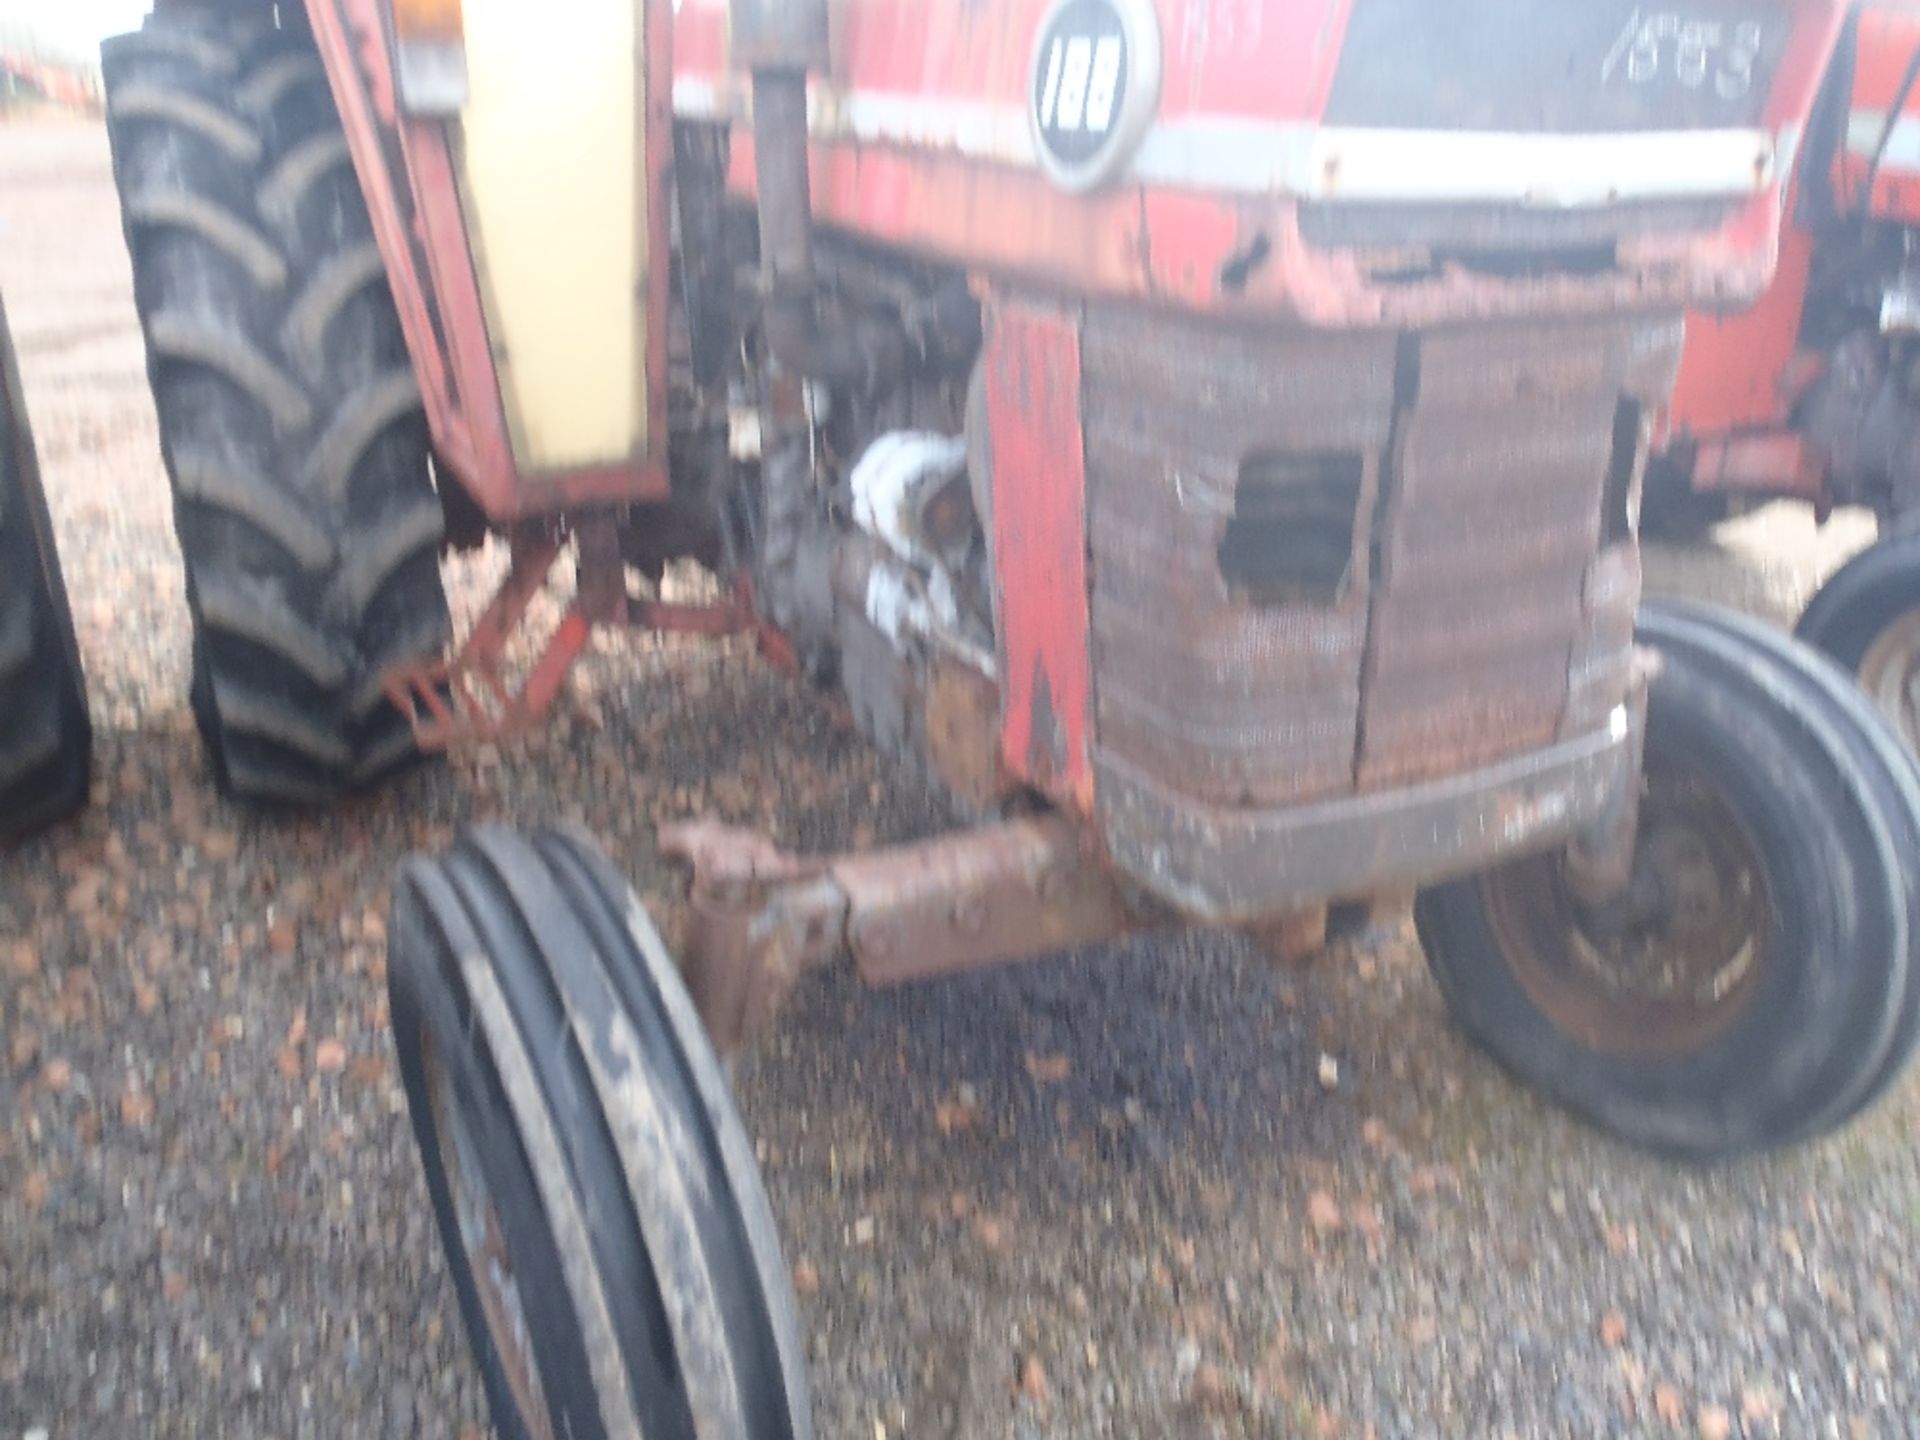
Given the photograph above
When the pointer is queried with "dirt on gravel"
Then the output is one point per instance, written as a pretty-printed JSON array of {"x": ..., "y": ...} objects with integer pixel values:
[{"x": 1159, "y": 1189}]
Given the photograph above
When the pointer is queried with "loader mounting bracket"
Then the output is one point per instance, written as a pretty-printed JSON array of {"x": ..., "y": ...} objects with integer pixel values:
[
  {"x": 475, "y": 697},
  {"x": 763, "y": 917}
]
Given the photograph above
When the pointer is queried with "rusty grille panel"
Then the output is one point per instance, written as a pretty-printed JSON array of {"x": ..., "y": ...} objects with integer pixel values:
[
  {"x": 1483, "y": 614},
  {"x": 1548, "y": 69},
  {"x": 1471, "y": 664},
  {"x": 1229, "y": 702}
]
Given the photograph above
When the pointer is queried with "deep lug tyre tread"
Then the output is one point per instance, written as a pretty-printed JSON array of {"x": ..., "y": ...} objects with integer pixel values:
[{"x": 290, "y": 422}]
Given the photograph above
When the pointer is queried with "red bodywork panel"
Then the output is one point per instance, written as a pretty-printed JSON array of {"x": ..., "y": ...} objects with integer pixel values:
[
  {"x": 1781, "y": 462},
  {"x": 1888, "y": 36},
  {"x": 954, "y": 82},
  {"x": 918, "y": 128},
  {"x": 922, "y": 146},
  {"x": 1734, "y": 371},
  {"x": 407, "y": 174},
  {"x": 1040, "y": 548},
  {"x": 952, "y": 69},
  {"x": 1742, "y": 373}
]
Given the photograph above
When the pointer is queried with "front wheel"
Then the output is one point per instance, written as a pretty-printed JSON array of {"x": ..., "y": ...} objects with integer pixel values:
[
  {"x": 1752, "y": 985},
  {"x": 604, "y": 1222}
]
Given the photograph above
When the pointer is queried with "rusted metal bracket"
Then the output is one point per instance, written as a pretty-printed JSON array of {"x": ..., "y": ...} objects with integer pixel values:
[
  {"x": 762, "y": 917},
  {"x": 1599, "y": 861},
  {"x": 471, "y": 699},
  {"x": 468, "y": 699}
]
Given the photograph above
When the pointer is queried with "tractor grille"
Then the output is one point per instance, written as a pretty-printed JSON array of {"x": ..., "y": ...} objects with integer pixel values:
[
  {"x": 1424, "y": 241},
  {"x": 1477, "y": 481},
  {"x": 1599, "y": 66}
]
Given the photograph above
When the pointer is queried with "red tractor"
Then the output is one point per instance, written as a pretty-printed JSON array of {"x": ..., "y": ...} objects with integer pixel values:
[
  {"x": 1813, "y": 393},
  {"x": 1206, "y": 436}
]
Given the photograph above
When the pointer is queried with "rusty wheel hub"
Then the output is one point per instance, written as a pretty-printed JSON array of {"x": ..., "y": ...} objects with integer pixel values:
[
  {"x": 1667, "y": 966},
  {"x": 1890, "y": 673},
  {"x": 484, "y": 1240}
]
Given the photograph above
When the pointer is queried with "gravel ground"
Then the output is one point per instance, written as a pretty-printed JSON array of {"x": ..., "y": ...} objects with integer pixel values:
[{"x": 1105, "y": 1195}]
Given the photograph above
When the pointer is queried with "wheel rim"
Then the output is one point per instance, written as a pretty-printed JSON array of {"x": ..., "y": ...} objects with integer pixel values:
[
  {"x": 1890, "y": 673},
  {"x": 1670, "y": 965},
  {"x": 483, "y": 1239}
]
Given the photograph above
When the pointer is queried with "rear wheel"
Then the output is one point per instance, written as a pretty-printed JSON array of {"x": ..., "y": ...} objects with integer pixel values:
[
  {"x": 1867, "y": 617},
  {"x": 1751, "y": 986},
  {"x": 289, "y": 417},
  {"x": 45, "y": 735},
  {"x": 603, "y": 1219}
]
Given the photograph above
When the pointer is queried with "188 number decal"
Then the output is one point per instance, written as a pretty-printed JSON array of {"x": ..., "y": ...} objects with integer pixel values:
[
  {"x": 1081, "y": 83},
  {"x": 1672, "y": 46}
]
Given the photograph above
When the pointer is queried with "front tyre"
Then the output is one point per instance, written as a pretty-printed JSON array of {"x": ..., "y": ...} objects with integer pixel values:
[
  {"x": 604, "y": 1222},
  {"x": 1750, "y": 987}
]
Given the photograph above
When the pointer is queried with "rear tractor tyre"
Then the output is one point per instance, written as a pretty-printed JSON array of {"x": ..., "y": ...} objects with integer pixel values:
[
  {"x": 1867, "y": 617},
  {"x": 1751, "y": 987},
  {"x": 46, "y": 738},
  {"x": 603, "y": 1218},
  {"x": 290, "y": 420}
]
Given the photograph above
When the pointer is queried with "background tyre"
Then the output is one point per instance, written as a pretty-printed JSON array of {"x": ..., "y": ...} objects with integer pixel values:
[
  {"x": 1867, "y": 617},
  {"x": 603, "y": 1218},
  {"x": 289, "y": 417},
  {"x": 1748, "y": 989},
  {"x": 46, "y": 737}
]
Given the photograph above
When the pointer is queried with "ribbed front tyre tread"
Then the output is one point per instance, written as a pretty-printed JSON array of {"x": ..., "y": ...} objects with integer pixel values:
[
  {"x": 1817, "y": 791},
  {"x": 585, "y": 1163},
  {"x": 1890, "y": 768}
]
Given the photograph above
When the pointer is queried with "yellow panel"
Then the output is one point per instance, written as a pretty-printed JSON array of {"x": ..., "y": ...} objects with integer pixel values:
[{"x": 552, "y": 167}]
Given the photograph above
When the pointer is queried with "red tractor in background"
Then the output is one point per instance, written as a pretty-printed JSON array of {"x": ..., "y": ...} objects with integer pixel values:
[
  {"x": 1813, "y": 393},
  {"x": 1206, "y": 435}
]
